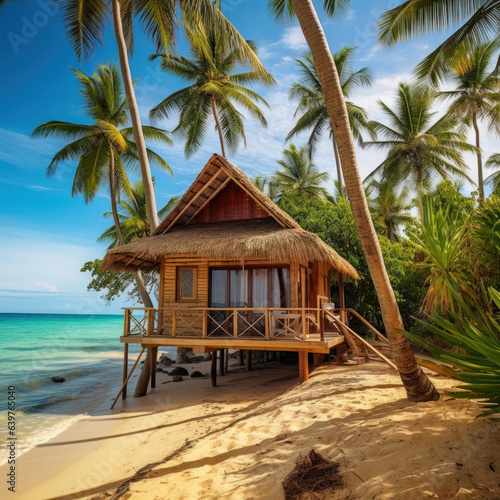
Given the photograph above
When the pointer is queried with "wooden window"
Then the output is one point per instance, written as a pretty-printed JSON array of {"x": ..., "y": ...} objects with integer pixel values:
[{"x": 187, "y": 283}]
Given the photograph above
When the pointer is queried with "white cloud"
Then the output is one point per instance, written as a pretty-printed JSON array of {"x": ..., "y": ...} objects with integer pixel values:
[
  {"x": 45, "y": 286},
  {"x": 293, "y": 38}
]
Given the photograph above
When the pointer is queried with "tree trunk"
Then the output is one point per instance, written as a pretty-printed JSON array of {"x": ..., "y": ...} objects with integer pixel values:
[
  {"x": 112, "y": 192},
  {"x": 219, "y": 128},
  {"x": 417, "y": 385},
  {"x": 480, "y": 182},
  {"x": 149, "y": 192},
  {"x": 338, "y": 164}
]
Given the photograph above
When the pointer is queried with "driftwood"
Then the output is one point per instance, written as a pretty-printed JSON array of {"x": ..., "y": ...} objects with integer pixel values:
[{"x": 312, "y": 474}]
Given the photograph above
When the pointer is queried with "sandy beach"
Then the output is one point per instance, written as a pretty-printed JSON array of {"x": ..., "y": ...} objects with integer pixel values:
[{"x": 188, "y": 440}]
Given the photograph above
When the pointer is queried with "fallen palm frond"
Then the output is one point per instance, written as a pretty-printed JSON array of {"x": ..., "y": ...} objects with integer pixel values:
[{"x": 312, "y": 474}]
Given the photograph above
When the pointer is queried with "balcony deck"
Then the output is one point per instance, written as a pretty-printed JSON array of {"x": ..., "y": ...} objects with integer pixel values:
[{"x": 210, "y": 329}]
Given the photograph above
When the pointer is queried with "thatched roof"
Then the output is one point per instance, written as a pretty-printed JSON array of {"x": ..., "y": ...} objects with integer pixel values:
[
  {"x": 213, "y": 178},
  {"x": 249, "y": 239}
]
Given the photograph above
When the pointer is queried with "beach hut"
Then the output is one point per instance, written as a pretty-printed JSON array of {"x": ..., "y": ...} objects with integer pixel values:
[{"x": 236, "y": 272}]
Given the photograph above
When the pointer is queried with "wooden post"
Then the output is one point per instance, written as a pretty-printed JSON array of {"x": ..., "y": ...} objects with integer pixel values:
[
  {"x": 151, "y": 322},
  {"x": 235, "y": 323},
  {"x": 304, "y": 324},
  {"x": 127, "y": 379},
  {"x": 318, "y": 359},
  {"x": 204, "y": 320},
  {"x": 303, "y": 366},
  {"x": 126, "y": 322},
  {"x": 125, "y": 368},
  {"x": 226, "y": 368},
  {"x": 249, "y": 361},
  {"x": 221, "y": 362},
  {"x": 242, "y": 361},
  {"x": 267, "y": 323},
  {"x": 154, "y": 356},
  {"x": 341, "y": 297},
  {"x": 213, "y": 369},
  {"x": 174, "y": 321},
  {"x": 341, "y": 350}
]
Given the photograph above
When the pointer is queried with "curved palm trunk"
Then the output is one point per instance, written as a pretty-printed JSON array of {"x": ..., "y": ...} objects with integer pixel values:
[
  {"x": 135, "y": 118},
  {"x": 219, "y": 128},
  {"x": 338, "y": 164},
  {"x": 112, "y": 192},
  {"x": 480, "y": 181},
  {"x": 417, "y": 385}
]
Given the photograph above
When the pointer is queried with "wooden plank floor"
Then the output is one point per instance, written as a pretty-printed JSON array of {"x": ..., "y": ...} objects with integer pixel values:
[{"x": 313, "y": 344}]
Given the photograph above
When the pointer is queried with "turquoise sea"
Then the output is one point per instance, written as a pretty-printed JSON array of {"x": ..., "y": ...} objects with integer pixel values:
[{"x": 83, "y": 349}]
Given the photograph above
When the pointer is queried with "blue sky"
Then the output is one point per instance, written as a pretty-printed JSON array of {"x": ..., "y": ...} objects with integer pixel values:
[{"x": 45, "y": 234}]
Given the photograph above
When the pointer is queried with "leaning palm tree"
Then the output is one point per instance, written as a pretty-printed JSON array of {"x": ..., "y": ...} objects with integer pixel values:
[
  {"x": 133, "y": 217},
  {"x": 104, "y": 152},
  {"x": 390, "y": 209},
  {"x": 417, "y": 385},
  {"x": 312, "y": 107},
  {"x": 299, "y": 176},
  {"x": 418, "y": 148},
  {"x": 86, "y": 24},
  {"x": 477, "y": 23},
  {"x": 494, "y": 179},
  {"x": 476, "y": 93},
  {"x": 216, "y": 89}
]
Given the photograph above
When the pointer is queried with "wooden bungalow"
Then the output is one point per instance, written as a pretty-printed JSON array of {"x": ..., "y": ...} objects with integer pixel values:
[{"x": 236, "y": 272}]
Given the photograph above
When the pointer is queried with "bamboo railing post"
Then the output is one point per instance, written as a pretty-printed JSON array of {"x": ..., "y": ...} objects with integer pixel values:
[
  {"x": 321, "y": 325},
  {"x": 174, "y": 321},
  {"x": 235, "y": 323},
  {"x": 268, "y": 329},
  {"x": 151, "y": 322},
  {"x": 304, "y": 324},
  {"x": 204, "y": 324},
  {"x": 125, "y": 368},
  {"x": 126, "y": 322}
]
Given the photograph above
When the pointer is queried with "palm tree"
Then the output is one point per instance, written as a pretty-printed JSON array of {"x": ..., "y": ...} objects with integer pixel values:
[
  {"x": 476, "y": 93},
  {"x": 299, "y": 175},
  {"x": 417, "y": 385},
  {"x": 390, "y": 209},
  {"x": 214, "y": 88},
  {"x": 104, "y": 152},
  {"x": 419, "y": 149},
  {"x": 312, "y": 107},
  {"x": 477, "y": 23},
  {"x": 132, "y": 215},
  {"x": 86, "y": 24},
  {"x": 494, "y": 162}
]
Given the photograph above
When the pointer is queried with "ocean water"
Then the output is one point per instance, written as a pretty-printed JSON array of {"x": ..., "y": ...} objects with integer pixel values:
[{"x": 85, "y": 350}]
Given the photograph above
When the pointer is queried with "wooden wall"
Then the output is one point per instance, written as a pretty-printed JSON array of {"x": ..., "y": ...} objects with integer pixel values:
[
  {"x": 168, "y": 289},
  {"x": 232, "y": 203}
]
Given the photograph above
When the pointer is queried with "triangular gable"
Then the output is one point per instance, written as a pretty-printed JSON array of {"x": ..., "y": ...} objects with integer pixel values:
[{"x": 216, "y": 180}]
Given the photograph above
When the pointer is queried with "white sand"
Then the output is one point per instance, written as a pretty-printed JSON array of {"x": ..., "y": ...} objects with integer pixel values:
[{"x": 240, "y": 440}]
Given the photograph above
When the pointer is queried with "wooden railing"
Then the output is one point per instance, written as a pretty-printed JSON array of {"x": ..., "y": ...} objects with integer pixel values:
[{"x": 237, "y": 323}]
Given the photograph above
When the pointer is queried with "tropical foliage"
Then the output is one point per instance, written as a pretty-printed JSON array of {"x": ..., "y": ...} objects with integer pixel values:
[
  {"x": 299, "y": 175},
  {"x": 419, "y": 150},
  {"x": 473, "y": 339}
]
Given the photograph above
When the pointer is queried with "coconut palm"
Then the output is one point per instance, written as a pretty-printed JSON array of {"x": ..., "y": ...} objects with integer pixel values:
[
  {"x": 390, "y": 209},
  {"x": 476, "y": 94},
  {"x": 494, "y": 179},
  {"x": 477, "y": 23},
  {"x": 132, "y": 215},
  {"x": 215, "y": 87},
  {"x": 104, "y": 152},
  {"x": 299, "y": 176},
  {"x": 419, "y": 149},
  {"x": 417, "y": 385},
  {"x": 269, "y": 186},
  {"x": 312, "y": 107}
]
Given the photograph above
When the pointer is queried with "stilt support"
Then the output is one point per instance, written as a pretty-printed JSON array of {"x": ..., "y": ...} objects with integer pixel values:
[
  {"x": 128, "y": 378},
  {"x": 125, "y": 369},
  {"x": 303, "y": 366},
  {"x": 213, "y": 369}
]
